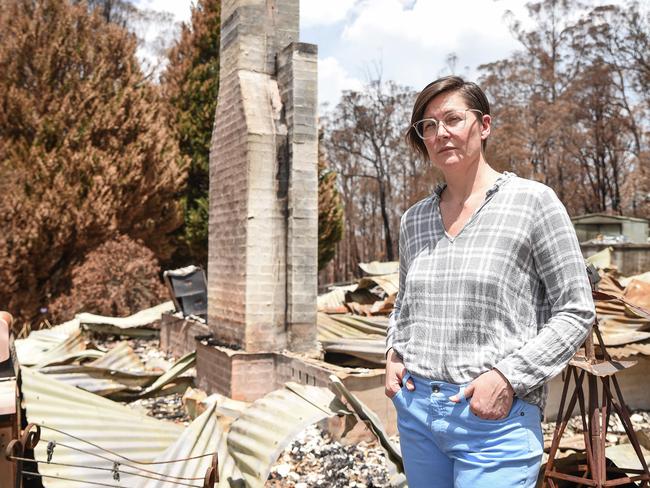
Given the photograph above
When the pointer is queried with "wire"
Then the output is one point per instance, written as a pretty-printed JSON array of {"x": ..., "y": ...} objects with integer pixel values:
[
  {"x": 96, "y": 483},
  {"x": 124, "y": 464},
  {"x": 16, "y": 458},
  {"x": 119, "y": 455}
]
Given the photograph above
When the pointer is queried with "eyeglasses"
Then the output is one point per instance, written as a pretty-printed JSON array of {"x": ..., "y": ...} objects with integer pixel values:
[{"x": 453, "y": 122}]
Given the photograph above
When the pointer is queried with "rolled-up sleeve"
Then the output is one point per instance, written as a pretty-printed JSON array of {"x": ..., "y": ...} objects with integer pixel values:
[{"x": 561, "y": 269}]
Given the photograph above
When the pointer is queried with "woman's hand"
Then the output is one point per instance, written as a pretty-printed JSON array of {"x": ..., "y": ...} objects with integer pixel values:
[
  {"x": 395, "y": 371},
  {"x": 491, "y": 396}
]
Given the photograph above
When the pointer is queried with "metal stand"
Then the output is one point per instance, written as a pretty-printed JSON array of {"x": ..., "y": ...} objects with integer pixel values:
[{"x": 595, "y": 412}]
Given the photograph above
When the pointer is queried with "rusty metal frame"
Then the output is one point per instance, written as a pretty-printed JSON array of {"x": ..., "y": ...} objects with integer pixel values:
[{"x": 595, "y": 413}]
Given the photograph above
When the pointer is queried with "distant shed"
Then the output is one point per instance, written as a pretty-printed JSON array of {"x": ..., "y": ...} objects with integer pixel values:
[{"x": 590, "y": 226}]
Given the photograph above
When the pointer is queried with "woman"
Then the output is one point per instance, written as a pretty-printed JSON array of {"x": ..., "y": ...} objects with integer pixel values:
[{"x": 493, "y": 301}]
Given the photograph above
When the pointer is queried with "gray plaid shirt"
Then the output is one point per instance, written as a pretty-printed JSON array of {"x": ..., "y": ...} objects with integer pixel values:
[{"x": 510, "y": 291}]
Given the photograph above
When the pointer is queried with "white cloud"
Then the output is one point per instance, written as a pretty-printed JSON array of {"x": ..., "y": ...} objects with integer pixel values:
[
  {"x": 332, "y": 80},
  {"x": 442, "y": 26},
  {"x": 180, "y": 9},
  {"x": 324, "y": 12}
]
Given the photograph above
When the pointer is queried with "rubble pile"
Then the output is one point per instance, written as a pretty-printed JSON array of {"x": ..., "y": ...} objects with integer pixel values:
[
  {"x": 314, "y": 459},
  {"x": 166, "y": 407}
]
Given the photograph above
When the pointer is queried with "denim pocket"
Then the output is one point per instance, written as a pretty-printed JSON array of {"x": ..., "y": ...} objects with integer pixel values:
[
  {"x": 517, "y": 409},
  {"x": 399, "y": 392}
]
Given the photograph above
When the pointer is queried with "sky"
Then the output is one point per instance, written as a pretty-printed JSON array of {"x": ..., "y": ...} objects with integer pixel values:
[{"x": 407, "y": 41}]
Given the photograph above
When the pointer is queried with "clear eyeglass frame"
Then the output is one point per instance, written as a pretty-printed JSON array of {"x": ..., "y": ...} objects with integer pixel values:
[{"x": 453, "y": 121}]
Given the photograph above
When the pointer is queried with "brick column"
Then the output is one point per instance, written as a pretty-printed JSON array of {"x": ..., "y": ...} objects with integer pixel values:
[
  {"x": 297, "y": 79},
  {"x": 263, "y": 182}
]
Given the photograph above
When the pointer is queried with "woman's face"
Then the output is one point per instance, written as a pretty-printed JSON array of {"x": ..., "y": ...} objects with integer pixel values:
[{"x": 455, "y": 147}]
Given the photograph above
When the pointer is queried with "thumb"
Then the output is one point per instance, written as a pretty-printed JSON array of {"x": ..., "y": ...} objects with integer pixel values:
[
  {"x": 410, "y": 386},
  {"x": 466, "y": 394}
]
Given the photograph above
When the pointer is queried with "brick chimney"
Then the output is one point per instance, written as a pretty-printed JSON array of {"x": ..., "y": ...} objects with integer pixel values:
[{"x": 263, "y": 243}]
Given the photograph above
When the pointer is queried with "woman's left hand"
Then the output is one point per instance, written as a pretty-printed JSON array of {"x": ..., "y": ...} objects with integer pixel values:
[{"x": 491, "y": 396}]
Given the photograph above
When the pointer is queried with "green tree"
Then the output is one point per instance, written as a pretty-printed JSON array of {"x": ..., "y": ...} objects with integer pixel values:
[
  {"x": 191, "y": 84},
  {"x": 86, "y": 149}
]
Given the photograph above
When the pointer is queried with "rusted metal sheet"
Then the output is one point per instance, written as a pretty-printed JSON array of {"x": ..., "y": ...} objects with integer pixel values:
[
  {"x": 629, "y": 350},
  {"x": 638, "y": 293}
]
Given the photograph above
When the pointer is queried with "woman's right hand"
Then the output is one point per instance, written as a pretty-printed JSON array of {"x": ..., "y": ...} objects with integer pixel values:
[{"x": 395, "y": 371}]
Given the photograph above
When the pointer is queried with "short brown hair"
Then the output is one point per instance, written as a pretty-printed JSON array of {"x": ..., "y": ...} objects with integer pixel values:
[{"x": 471, "y": 93}]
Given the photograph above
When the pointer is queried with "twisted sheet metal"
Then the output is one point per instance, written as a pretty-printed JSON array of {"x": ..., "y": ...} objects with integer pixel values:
[
  {"x": 108, "y": 424},
  {"x": 362, "y": 337},
  {"x": 140, "y": 319},
  {"x": 124, "y": 384},
  {"x": 389, "y": 283},
  {"x": 259, "y": 435},
  {"x": 121, "y": 357},
  {"x": 47, "y": 345},
  {"x": 201, "y": 437}
]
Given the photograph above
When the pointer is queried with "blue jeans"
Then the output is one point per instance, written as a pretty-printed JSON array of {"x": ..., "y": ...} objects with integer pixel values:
[{"x": 445, "y": 445}]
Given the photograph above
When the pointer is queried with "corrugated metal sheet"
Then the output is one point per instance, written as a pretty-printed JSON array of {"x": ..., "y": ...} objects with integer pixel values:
[
  {"x": 332, "y": 300},
  {"x": 641, "y": 277},
  {"x": 127, "y": 384},
  {"x": 90, "y": 417},
  {"x": 380, "y": 268},
  {"x": 602, "y": 259},
  {"x": 246, "y": 453},
  {"x": 373, "y": 351},
  {"x": 71, "y": 358},
  {"x": 362, "y": 337},
  {"x": 389, "y": 283},
  {"x": 200, "y": 438},
  {"x": 395, "y": 461},
  {"x": 140, "y": 319},
  {"x": 120, "y": 357},
  {"x": 47, "y": 345},
  {"x": 259, "y": 435},
  {"x": 629, "y": 350},
  {"x": 347, "y": 326}
]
